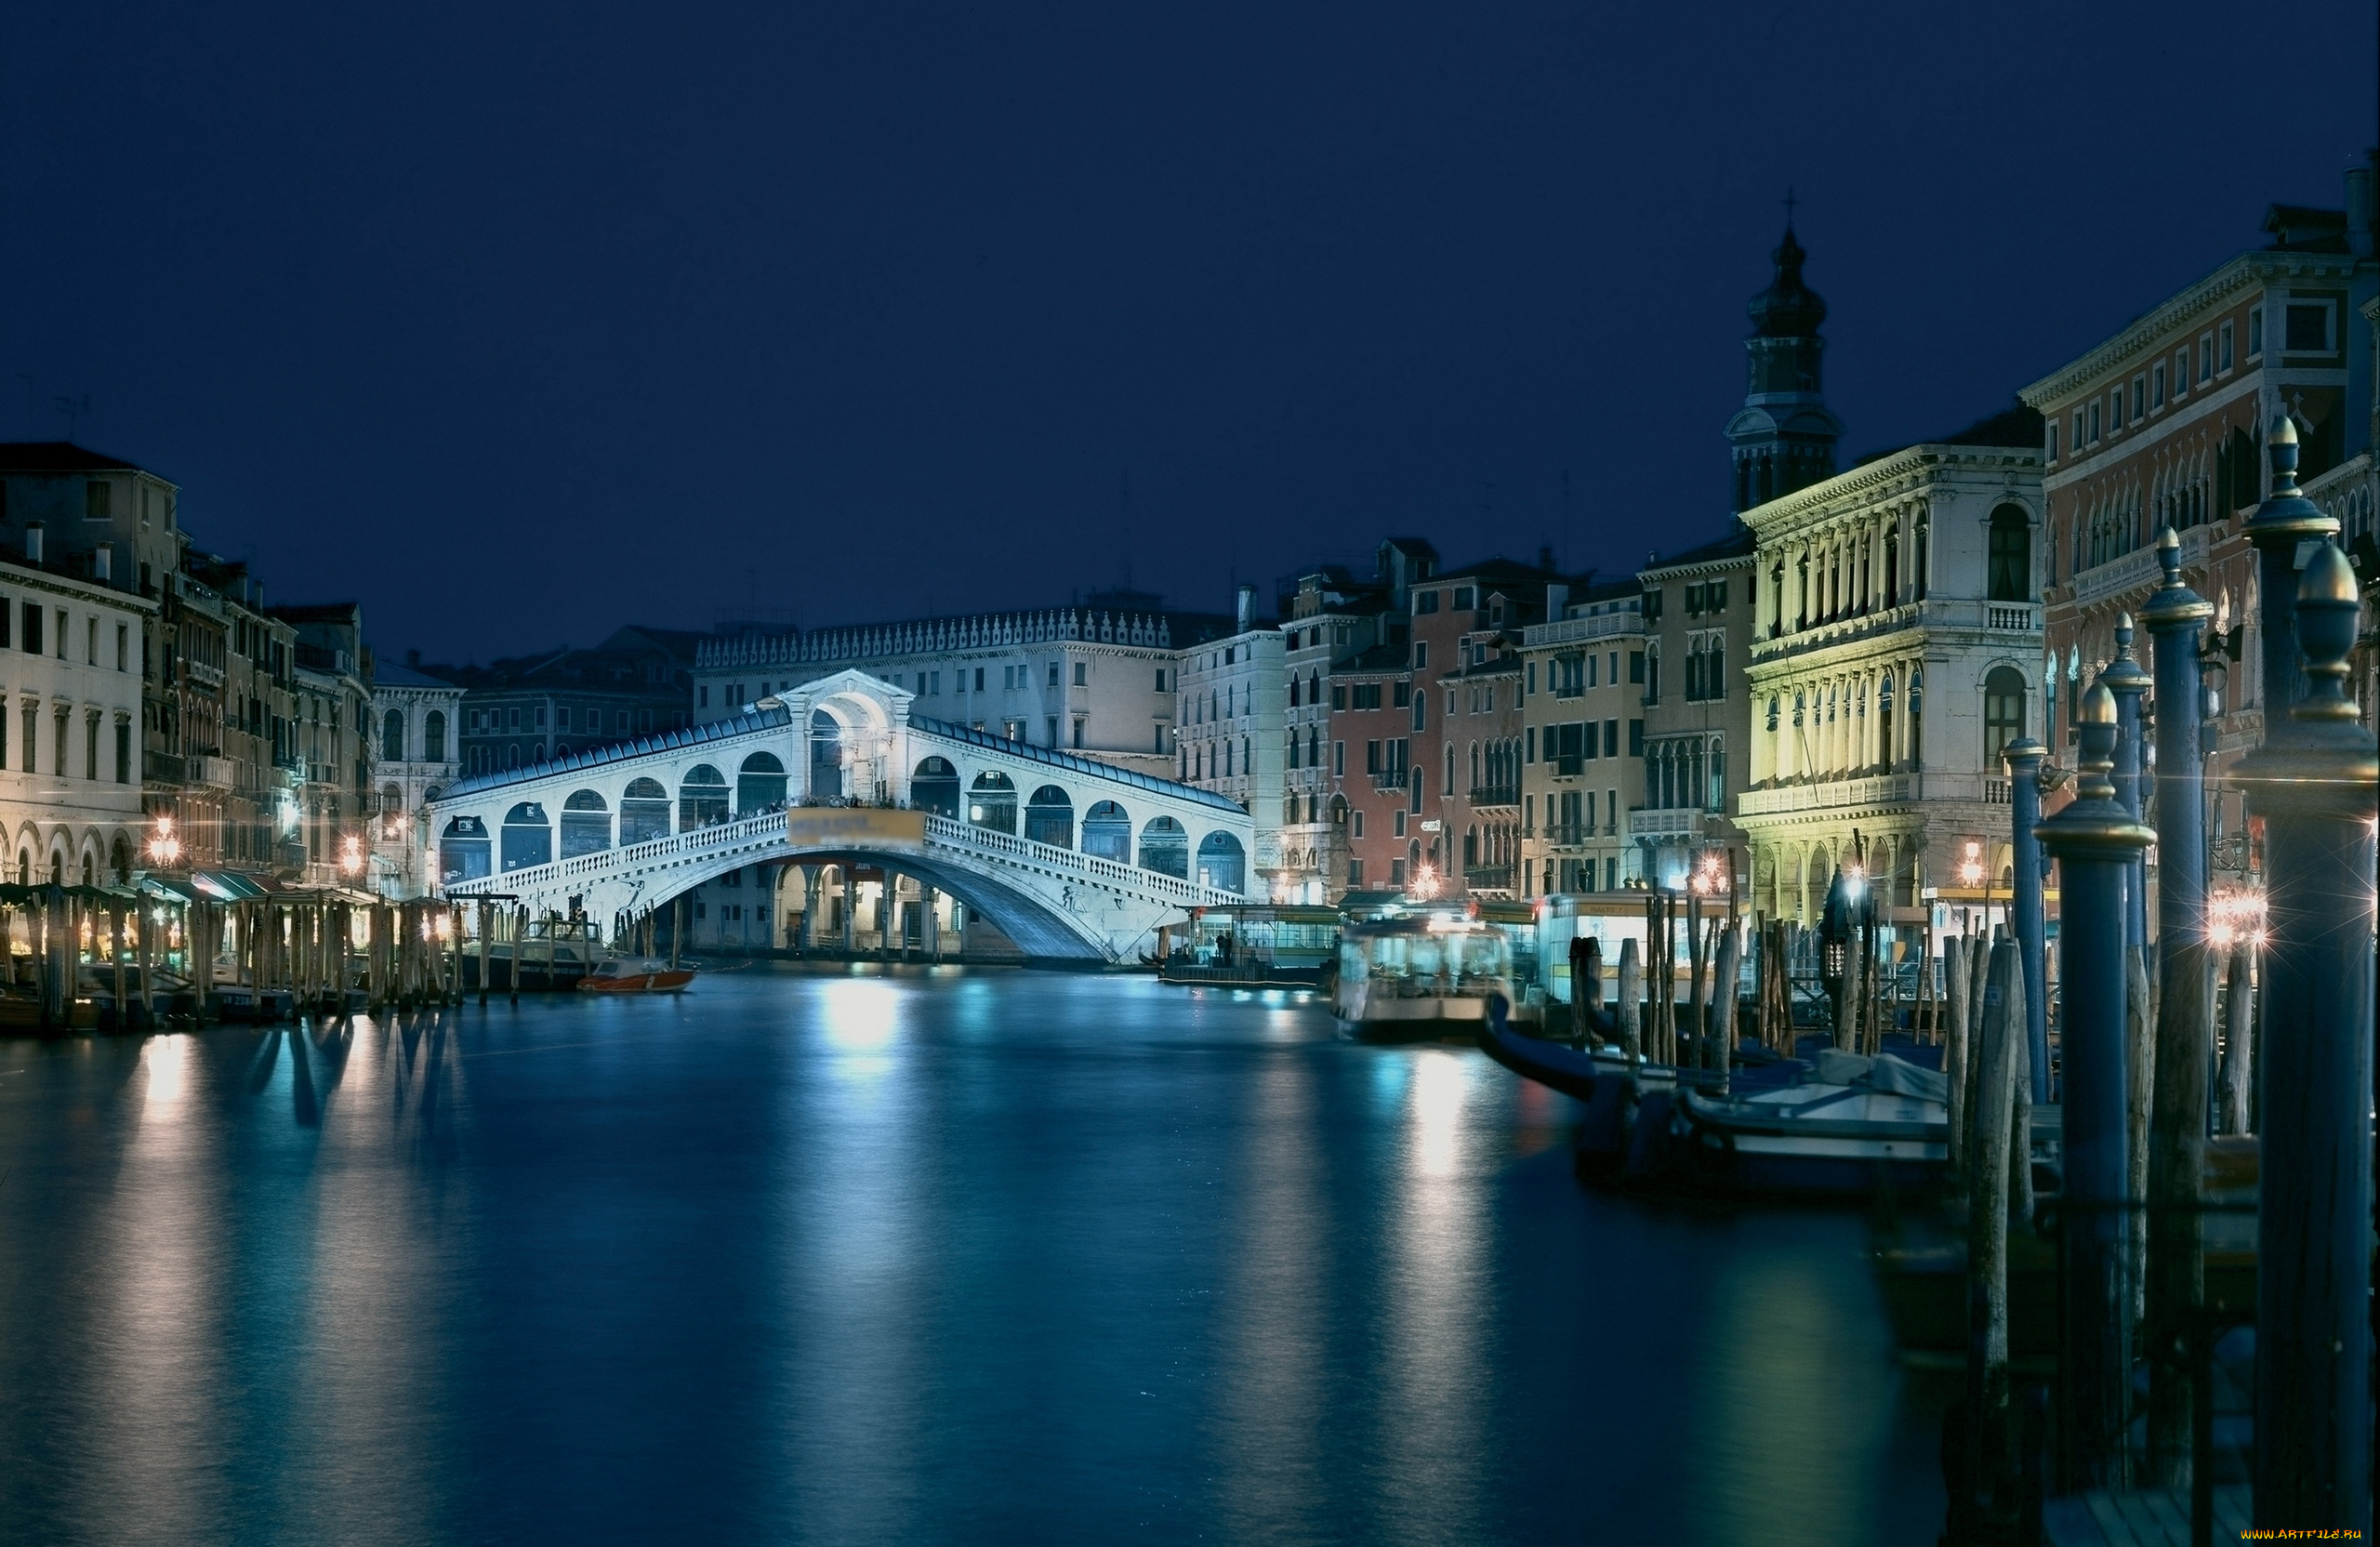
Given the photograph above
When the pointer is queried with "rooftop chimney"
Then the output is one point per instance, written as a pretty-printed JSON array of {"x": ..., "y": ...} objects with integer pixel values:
[
  {"x": 103, "y": 563},
  {"x": 413, "y": 657},
  {"x": 33, "y": 542},
  {"x": 1247, "y": 612}
]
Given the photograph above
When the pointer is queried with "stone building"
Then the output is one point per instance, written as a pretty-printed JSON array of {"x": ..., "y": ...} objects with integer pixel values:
[
  {"x": 1899, "y": 650},
  {"x": 1582, "y": 739},
  {"x": 1698, "y": 607},
  {"x": 1230, "y": 712},
  {"x": 69, "y": 757},
  {"x": 526, "y": 710},
  {"x": 1095, "y": 678},
  {"x": 1332, "y": 620},
  {"x": 331, "y": 737},
  {"x": 414, "y": 717},
  {"x": 2164, "y": 424},
  {"x": 1467, "y": 629}
]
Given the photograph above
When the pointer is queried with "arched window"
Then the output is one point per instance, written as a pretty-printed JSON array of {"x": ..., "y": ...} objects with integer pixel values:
[
  {"x": 1917, "y": 581},
  {"x": 1049, "y": 817},
  {"x": 759, "y": 785},
  {"x": 2004, "y": 711},
  {"x": 1917, "y": 718},
  {"x": 1164, "y": 848},
  {"x": 2010, "y": 574},
  {"x": 1107, "y": 832},
  {"x": 462, "y": 851},
  {"x": 586, "y": 824},
  {"x": 120, "y": 859},
  {"x": 644, "y": 812},
  {"x": 825, "y": 757},
  {"x": 702, "y": 798},
  {"x": 392, "y": 736},
  {"x": 934, "y": 788},
  {"x": 992, "y": 803},
  {"x": 528, "y": 837},
  {"x": 1885, "y": 722},
  {"x": 1223, "y": 863}
]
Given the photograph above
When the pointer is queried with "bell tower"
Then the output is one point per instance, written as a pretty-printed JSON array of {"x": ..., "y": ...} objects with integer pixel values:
[{"x": 1784, "y": 436}]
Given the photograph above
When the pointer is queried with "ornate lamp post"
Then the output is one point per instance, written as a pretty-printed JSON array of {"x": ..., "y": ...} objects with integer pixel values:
[
  {"x": 165, "y": 849},
  {"x": 2315, "y": 780},
  {"x": 2095, "y": 843},
  {"x": 2283, "y": 528}
]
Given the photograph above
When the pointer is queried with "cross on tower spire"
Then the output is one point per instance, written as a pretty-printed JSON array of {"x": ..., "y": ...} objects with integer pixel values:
[{"x": 1789, "y": 202}]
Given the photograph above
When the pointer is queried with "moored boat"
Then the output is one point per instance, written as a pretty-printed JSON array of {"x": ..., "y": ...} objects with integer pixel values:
[
  {"x": 1421, "y": 976},
  {"x": 636, "y": 974}
]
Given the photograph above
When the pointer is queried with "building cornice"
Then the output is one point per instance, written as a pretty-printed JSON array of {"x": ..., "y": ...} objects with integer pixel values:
[
  {"x": 1909, "y": 471},
  {"x": 2241, "y": 273}
]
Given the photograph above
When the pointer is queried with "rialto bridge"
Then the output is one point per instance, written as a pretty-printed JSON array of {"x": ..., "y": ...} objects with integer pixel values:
[{"x": 1071, "y": 858}]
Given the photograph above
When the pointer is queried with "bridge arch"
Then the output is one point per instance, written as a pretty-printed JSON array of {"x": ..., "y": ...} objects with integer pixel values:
[
  {"x": 586, "y": 824},
  {"x": 644, "y": 812},
  {"x": 1049, "y": 817},
  {"x": 702, "y": 798},
  {"x": 1107, "y": 832},
  {"x": 527, "y": 837},
  {"x": 1165, "y": 847},
  {"x": 991, "y": 801},
  {"x": 760, "y": 784},
  {"x": 933, "y": 785}
]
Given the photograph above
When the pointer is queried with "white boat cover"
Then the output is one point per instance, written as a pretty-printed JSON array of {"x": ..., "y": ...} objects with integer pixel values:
[{"x": 1882, "y": 1073}]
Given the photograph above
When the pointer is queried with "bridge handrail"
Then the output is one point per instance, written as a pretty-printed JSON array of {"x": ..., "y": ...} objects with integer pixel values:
[
  {"x": 947, "y": 831},
  {"x": 957, "y": 834},
  {"x": 1051, "y": 757}
]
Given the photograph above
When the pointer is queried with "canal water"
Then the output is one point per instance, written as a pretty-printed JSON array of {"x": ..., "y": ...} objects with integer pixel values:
[{"x": 973, "y": 1256}]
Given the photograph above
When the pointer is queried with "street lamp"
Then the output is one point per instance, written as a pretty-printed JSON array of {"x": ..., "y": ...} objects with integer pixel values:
[
  {"x": 1971, "y": 877},
  {"x": 351, "y": 854},
  {"x": 164, "y": 847},
  {"x": 1425, "y": 884}
]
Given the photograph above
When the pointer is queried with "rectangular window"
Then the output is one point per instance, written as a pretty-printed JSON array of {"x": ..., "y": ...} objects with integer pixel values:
[
  {"x": 1356, "y": 827},
  {"x": 1421, "y": 711},
  {"x": 1425, "y": 601},
  {"x": 1397, "y": 825},
  {"x": 1636, "y": 739},
  {"x": 2156, "y": 391},
  {"x": 1463, "y": 598},
  {"x": 1636, "y": 665},
  {"x": 1399, "y": 697},
  {"x": 2306, "y": 328},
  {"x": 2256, "y": 332},
  {"x": 61, "y": 633},
  {"x": 2181, "y": 373},
  {"x": 1372, "y": 757},
  {"x": 1339, "y": 758},
  {"x": 979, "y": 679},
  {"x": 2115, "y": 411},
  {"x": 1586, "y": 738},
  {"x": 2095, "y": 421},
  {"x": 2080, "y": 440},
  {"x": 1054, "y": 674},
  {"x": 2139, "y": 397},
  {"x": 1532, "y": 677},
  {"x": 2223, "y": 349},
  {"x": 2205, "y": 358},
  {"x": 1612, "y": 738},
  {"x": 1050, "y": 724},
  {"x": 2049, "y": 447},
  {"x": 98, "y": 501},
  {"x": 1421, "y": 654},
  {"x": 933, "y": 683},
  {"x": 702, "y": 697},
  {"x": 1082, "y": 674},
  {"x": 1338, "y": 696}
]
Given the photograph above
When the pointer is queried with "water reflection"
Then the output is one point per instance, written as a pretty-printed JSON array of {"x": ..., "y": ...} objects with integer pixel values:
[
  {"x": 885, "y": 1258},
  {"x": 1273, "y": 1487}
]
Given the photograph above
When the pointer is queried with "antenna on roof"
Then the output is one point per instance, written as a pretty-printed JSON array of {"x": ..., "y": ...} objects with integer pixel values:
[
  {"x": 73, "y": 408},
  {"x": 1487, "y": 497}
]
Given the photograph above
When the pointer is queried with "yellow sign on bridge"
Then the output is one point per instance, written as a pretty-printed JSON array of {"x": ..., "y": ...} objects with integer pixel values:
[{"x": 840, "y": 826}]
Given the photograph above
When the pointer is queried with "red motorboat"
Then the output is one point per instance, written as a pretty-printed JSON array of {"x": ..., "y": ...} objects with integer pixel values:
[{"x": 636, "y": 974}]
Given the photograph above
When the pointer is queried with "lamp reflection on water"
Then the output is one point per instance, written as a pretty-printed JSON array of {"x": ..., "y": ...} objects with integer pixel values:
[{"x": 166, "y": 1057}]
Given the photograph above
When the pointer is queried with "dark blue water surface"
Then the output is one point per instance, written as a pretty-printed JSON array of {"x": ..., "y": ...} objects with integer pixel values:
[{"x": 969, "y": 1256}]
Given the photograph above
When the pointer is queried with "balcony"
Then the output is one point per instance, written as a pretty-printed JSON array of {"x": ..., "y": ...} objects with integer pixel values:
[
  {"x": 163, "y": 768},
  {"x": 215, "y": 771},
  {"x": 1571, "y": 630},
  {"x": 1385, "y": 779},
  {"x": 1569, "y": 835},
  {"x": 1884, "y": 789},
  {"x": 1664, "y": 822},
  {"x": 203, "y": 676},
  {"x": 1495, "y": 795},
  {"x": 1489, "y": 878},
  {"x": 2136, "y": 571}
]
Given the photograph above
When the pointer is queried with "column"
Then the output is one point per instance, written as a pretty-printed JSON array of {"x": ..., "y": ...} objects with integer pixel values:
[
  {"x": 2313, "y": 781},
  {"x": 931, "y": 900},
  {"x": 851, "y": 909}
]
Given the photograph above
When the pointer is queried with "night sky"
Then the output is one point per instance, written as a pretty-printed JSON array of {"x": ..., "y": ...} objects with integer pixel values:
[{"x": 516, "y": 324}]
